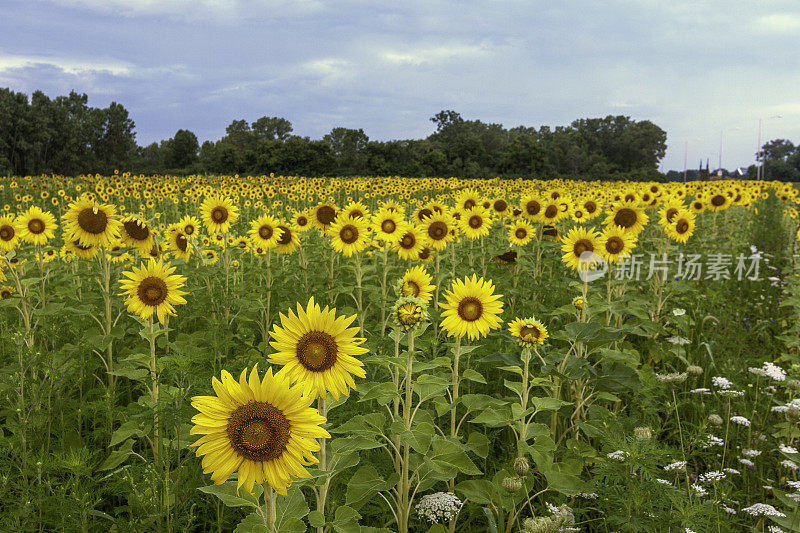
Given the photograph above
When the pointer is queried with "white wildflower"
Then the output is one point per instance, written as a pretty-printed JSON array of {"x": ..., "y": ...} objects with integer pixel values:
[
  {"x": 702, "y": 390},
  {"x": 699, "y": 490},
  {"x": 678, "y": 311},
  {"x": 751, "y": 453},
  {"x": 679, "y": 341},
  {"x": 713, "y": 440},
  {"x": 731, "y": 470},
  {"x": 747, "y": 462},
  {"x": 618, "y": 455},
  {"x": 742, "y": 421},
  {"x": 762, "y": 509},
  {"x": 728, "y": 393},
  {"x": 791, "y": 465},
  {"x": 677, "y": 465},
  {"x": 721, "y": 382},
  {"x": 712, "y": 477},
  {"x": 787, "y": 449},
  {"x": 663, "y": 481},
  {"x": 439, "y": 506}
]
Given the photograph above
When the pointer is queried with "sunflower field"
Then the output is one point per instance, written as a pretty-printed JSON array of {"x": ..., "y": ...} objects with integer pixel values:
[{"x": 380, "y": 354}]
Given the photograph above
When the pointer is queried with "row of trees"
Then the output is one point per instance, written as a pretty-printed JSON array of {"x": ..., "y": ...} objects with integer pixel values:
[{"x": 64, "y": 135}]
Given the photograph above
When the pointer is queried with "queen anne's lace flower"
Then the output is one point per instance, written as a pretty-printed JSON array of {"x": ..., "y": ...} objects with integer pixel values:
[
  {"x": 762, "y": 509},
  {"x": 439, "y": 506}
]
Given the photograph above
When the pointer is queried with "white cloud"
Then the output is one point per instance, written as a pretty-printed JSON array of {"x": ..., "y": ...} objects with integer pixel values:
[
  {"x": 68, "y": 65},
  {"x": 431, "y": 54},
  {"x": 216, "y": 10},
  {"x": 779, "y": 23}
]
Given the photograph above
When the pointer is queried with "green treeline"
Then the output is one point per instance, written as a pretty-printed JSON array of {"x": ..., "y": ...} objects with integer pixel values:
[{"x": 64, "y": 135}]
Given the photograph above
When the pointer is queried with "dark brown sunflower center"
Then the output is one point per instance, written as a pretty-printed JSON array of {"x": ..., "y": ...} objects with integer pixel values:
[
  {"x": 317, "y": 351},
  {"x": 533, "y": 207},
  {"x": 425, "y": 253},
  {"x": 302, "y": 221},
  {"x": 181, "y": 242},
  {"x": 348, "y": 234},
  {"x": 259, "y": 431},
  {"x": 682, "y": 226},
  {"x": 7, "y": 232},
  {"x": 614, "y": 245},
  {"x": 325, "y": 215},
  {"x": 529, "y": 331},
  {"x": 356, "y": 213},
  {"x": 500, "y": 205},
  {"x": 424, "y": 213},
  {"x": 630, "y": 197},
  {"x": 410, "y": 288},
  {"x": 521, "y": 233},
  {"x": 5, "y": 293},
  {"x": 265, "y": 232},
  {"x": 189, "y": 229},
  {"x": 671, "y": 212},
  {"x": 469, "y": 203},
  {"x": 698, "y": 205},
  {"x": 94, "y": 221},
  {"x": 717, "y": 200},
  {"x": 581, "y": 246},
  {"x": 286, "y": 235},
  {"x": 135, "y": 230},
  {"x": 408, "y": 241},
  {"x": 475, "y": 221},
  {"x": 551, "y": 211},
  {"x": 219, "y": 214},
  {"x": 152, "y": 291},
  {"x": 36, "y": 226},
  {"x": 388, "y": 226},
  {"x": 437, "y": 231},
  {"x": 590, "y": 206},
  {"x": 625, "y": 218},
  {"x": 470, "y": 309}
]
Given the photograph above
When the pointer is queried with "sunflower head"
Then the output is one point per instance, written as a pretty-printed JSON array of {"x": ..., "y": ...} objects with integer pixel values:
[
  {"x": 409, "y": 313},
  {"x": 92, "y": 223},
  {"x": 528, "y": 332},
  {"x": 153, "y": 289},
  {"x": 317, "y": 350},
  {"x": 416, "y": 282},
  {"x": 263, "y": 428},
  {"x": 472, "y": 308},
  {"x": 218, "y": 213}
]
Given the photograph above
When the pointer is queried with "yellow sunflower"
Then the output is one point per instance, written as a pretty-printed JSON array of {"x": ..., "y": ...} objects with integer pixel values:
[
  {"x": 356, "y": 210},
  {"x": 718, "y": 201},
  {"x": 288, "y": 241},
  {"x": 153, "y": 289},
  {"x": 301, "y": 221},
  {"x": 349, "y": 235},
  {"x": 264, "y": 232},
  {"x": 528, "y": 332},
  {"x": 410, "y": 243},
  {"x": 417, "y": 283},
  {"x": 437, "y": 228},
  {"x": 136, "y": 233},
  {"x": 532, "y": 207},
  {"x": 263, "y": 428},
  {"x": 218, "y": 213},
  {"x": 35, "y": 226},
  {"x": 520, "y": 232},
  {"x": 9, "y": 236},
  {"x": 475, "y": 223},
  {"x": 6, "y": 292},
  {"x": 189, "y": 225},
  {"x": 577, "y": 242},
  {"x": 472, "y": 308},
  {"x": 628, "y": 216},
  {"x": 615, "y": 243},
  {"x": 682, "y": 226},
  {"x": 389, "y": 225},
  {"x": 91, "y": 223},
  {"x": 317, "y": 349},
  {"x": 178, "y": 242}
]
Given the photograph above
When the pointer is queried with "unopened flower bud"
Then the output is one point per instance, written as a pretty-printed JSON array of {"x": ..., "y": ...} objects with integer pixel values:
[
  {"x": 512, "y": 484},
  {"x": 521, "y": 466},
  {"x": 694, "y": 370},
  {"x": 643, "y": 433},
  {"x": 715, "y": 420}
]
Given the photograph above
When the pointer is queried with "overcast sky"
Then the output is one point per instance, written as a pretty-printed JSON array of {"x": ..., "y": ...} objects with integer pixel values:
[{"x": 696, "y": 68}]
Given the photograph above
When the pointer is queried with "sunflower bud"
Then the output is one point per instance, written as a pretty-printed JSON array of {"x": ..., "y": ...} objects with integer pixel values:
[
  {"x": 408, "y": 313},
  {"x": 512, "y": 484},
  {"x": 521, "y": 466},
  {"x": 578, "y": 303}
]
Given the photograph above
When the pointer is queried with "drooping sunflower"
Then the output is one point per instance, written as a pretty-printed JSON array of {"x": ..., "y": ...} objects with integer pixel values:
[
  {"x": 288, "y": 241},
  {"x": 417, "y": 283},
  {"x": 349, "y": 235},
  {"x": 437, "y": 228},
  {"x": 91, "y": 223},
  {"x": 472, "y": 308},
  {"x": 615, "y": 243},
  {"x": 6, "y": 292},
  {"x": 356, "y": 210},
  {"x": 178, "y": 242},
  {"x": 528, "y": 332},
  {"x": 410, "y": 243},
  {"x": 323, "y": 216},
  {"x": 628, "y": 216},
  {"x": 210, "y": 256},
  {"x": 263, "y": 428},
  {"x": 389, "y": 225},
  {"x": 682, "y": 226},
  {"x": 520, "y": 232},
  {"x": 153, "y": 289},
  {"x": 218, "y": 213},
  {"x": 136, "y": 233},
  {"x": 475, "y": 223},
  {"x": 318, "y": 350},
  {"x": 9, "y": 236},
  {"x": 577, "y": 242},
  {"x": 81, "y": 251},
  {"x": 264, "y": 232},
  {"x": 35, "y": 226}
]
